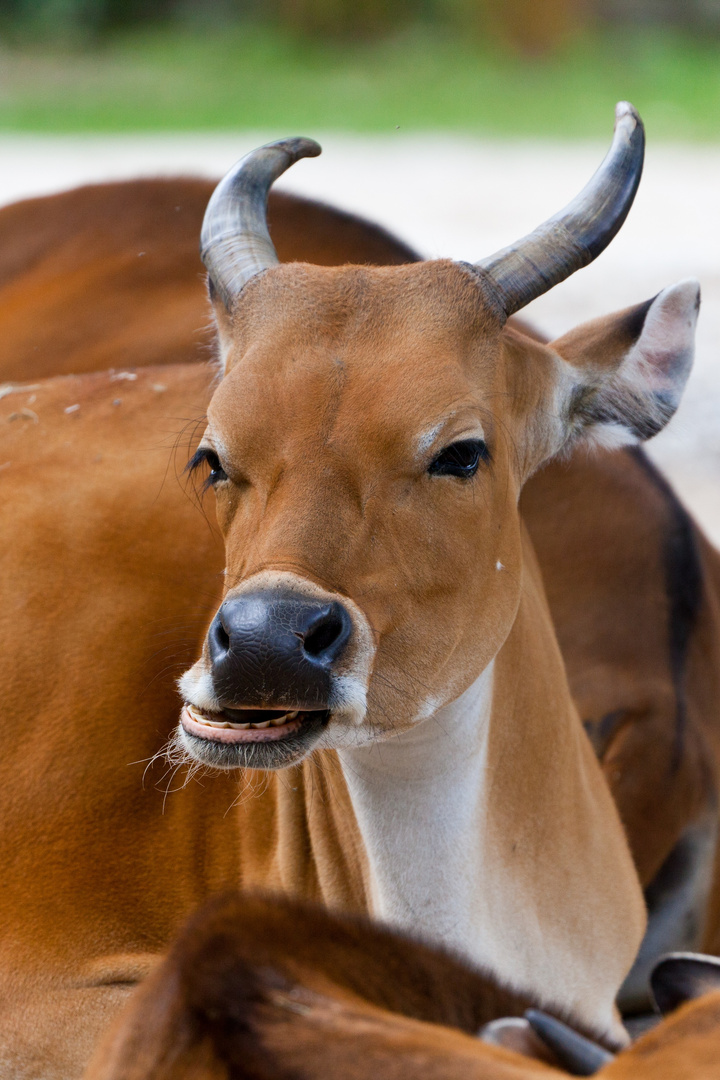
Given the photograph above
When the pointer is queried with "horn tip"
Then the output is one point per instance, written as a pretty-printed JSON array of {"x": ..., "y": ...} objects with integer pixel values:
[
  {"x": 578, "y": 1055},
  {"x": 626, "y": 115},
  {"x": 298, "y": 147}
]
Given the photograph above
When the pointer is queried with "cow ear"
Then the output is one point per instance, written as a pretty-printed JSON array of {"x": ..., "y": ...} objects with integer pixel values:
[
  {"x": 680, "y": 977},
  {"x": 622, "y": 376},
  {"x": 223, "y": 324}
]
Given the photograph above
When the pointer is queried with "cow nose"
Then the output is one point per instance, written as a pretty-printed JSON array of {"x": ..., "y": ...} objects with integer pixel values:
[{"x": 276, "y": 650}]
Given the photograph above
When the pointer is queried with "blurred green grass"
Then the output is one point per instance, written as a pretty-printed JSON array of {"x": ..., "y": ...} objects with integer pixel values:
[{"x": 257, "y": 77}]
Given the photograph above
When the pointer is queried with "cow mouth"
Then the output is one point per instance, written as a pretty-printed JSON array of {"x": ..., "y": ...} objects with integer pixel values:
[{"x": 237, "y": 726}]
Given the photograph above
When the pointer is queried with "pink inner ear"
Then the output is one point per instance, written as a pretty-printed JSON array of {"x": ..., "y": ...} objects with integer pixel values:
[
  {"x": 636, "y": 400},
  {"x": 665, "y": 349}
]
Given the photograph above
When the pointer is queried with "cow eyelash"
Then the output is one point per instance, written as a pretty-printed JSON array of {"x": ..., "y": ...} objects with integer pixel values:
[
  {"x": 460, "y": 459},
  {"x": 206, "y": 456}
]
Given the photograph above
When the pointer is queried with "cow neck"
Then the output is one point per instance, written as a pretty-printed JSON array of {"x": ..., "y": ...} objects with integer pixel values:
[
  {"x": 417, "y": 799},
  {"x": 489, "y": 828}
]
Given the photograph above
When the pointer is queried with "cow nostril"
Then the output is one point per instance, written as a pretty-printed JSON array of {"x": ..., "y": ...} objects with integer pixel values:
[
  {"x": 327, "y": 636},
  {"x": 220, "y": 634}
]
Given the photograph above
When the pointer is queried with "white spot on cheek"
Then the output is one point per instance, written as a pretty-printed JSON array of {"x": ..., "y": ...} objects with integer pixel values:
[{"x": 499, "y": 565}]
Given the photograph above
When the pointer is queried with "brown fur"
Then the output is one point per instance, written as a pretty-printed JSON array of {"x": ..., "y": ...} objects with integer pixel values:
[
  {"x": 99, "y": 871},
  {"x": 259, "y": 988},
  {"x": 686, "y": 1046},
  {"x": 94, "y": 858},
  {"x": 344, "y": 506},
  {"x": 141, "y": 660},
  {"x": 109, "y": 275},
  {"x": 59, "y": 250},
  {"x": 619, "y": 666}
]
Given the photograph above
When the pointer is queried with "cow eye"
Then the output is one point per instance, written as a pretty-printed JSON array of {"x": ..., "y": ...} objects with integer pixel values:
[
  {"x": 206, "y": 456},
  {"x": 460, "y": 459}
]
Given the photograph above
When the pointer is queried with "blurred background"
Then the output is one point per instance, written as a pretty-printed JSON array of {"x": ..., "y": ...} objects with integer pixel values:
[
  {"x": 459, "y": 124},
  {"x": 507, "y": 67}
]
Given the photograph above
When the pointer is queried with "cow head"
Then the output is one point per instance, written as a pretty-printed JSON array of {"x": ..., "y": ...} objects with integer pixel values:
[{"x": 367, "y": 445}]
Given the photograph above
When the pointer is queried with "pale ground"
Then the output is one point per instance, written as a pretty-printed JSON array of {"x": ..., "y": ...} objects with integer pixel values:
[{"x": 465, "y": 198}]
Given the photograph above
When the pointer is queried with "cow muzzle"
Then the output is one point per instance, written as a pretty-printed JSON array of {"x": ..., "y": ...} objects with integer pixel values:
[
  {"x": 281, "y": 662},
  {"x": 274, "y": 651}
]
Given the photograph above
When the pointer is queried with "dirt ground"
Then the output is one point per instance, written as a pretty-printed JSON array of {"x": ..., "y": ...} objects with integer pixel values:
[{"x": 464, "y": 198}]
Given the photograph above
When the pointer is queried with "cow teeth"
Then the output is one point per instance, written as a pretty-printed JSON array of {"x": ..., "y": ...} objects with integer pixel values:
[
  {"x": 286, "y": 718},
  {"x": 202, "y": 718}
]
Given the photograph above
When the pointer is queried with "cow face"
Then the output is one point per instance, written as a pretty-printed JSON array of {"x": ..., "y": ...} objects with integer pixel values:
[{"x": 367, "y": 446}]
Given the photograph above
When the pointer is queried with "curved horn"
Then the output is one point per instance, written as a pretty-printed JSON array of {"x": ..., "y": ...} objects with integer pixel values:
[
  {"x": 577, "y": 235},
  {"x": 580, "y": 1056},
  {"x": 235, "y": 244}
]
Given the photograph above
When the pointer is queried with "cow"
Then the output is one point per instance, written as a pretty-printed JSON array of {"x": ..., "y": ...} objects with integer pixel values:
[
  {"x": 321, "y": 647},
  {"x": 265, "y": 987},
  {"x": 372, "y": 613},
  {"x": 646, "y": 683},
  {"x": 89, "y": 819}
]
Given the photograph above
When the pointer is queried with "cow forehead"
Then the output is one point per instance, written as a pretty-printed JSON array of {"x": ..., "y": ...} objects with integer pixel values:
[
  {"x": 361, "y": 307},
  {"x": 386, "y": 351}
]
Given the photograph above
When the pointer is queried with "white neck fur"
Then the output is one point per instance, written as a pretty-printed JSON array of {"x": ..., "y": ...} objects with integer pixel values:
[
  {"x": 418, "y": 799},
  {"x": 424, "y": 802}
]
